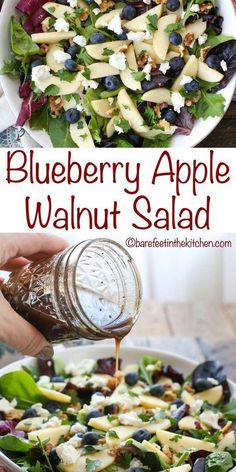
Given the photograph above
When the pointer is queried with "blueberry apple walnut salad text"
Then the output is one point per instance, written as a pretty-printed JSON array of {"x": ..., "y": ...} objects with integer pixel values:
[
  {"x": 108, "y": 73},
  {"x": 146, "y": 418}
]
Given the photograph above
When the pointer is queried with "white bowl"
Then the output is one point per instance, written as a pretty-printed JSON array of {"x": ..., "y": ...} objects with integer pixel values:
[
  {"x": 129, "y": 355},
  {"x": 201, "y": 128}
]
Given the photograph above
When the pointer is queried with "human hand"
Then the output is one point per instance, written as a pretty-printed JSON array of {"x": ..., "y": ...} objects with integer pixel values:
[{"x": 17, "y": 250}]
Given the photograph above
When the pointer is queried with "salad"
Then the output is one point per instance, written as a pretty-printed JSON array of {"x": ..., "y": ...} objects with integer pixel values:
[
  {"x": 147, "y": 418},
  {"x": 110, "y": 73}
]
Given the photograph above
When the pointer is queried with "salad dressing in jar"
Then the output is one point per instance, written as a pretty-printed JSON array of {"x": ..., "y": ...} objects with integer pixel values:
[{"x": 91, "y": 290}]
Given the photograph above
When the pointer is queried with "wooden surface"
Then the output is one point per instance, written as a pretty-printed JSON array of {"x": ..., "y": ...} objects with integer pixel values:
[{"x": 224, "y": 134}]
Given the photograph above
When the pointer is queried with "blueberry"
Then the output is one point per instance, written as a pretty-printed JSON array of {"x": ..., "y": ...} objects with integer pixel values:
[
  {"x": 111, "y": 409},
  {"x": 134, "y": 139},
  {"x": 73, "y": 50},
  {"x": 97, "y": 38},
  {"x": 124, "y": 33},
  {"x": 141, "y": 435},
  {"x": 135, "y": 469},
  {"x": 178, "y": 402},
  {"x": 176, "y": 64},
  {"x": 52, "y": 407},
  {"x": 173, "y": 5},
  {"x": 129, "y": 12},
  {"x": 53, "y": 457},
  {"x": 72, "y": 115},
  {"x": 157, "y": 390},
  {"x": 175, "y": 38},
  {"x": 93, "y": 414},
  {"x": 110, "y": 144},
  {"x": 202, "y": 384},
  {"x": 29, "y": 413},
  {"x": 169, "y": 115},
  {"x": 70, "y": 65},
  {"x": 131, "y": 378},
  {"x": 192, "y": 86},
  {"x": 90, "y": 438},
  {"x": 213, "y": 61},
  {"x": 62, "y": 2},
  {"x": 36, "y": 63},
  {"x": 111, "y": 82},
  {"x": 57, "y": 378}
]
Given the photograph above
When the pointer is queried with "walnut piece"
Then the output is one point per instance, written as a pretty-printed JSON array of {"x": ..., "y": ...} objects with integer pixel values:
[
  {"x": 188, "y": 39},
  {"x": 56, "y": 105},
  {"x": 106, "y": 5},
  {"x": 206, "y": 7}
]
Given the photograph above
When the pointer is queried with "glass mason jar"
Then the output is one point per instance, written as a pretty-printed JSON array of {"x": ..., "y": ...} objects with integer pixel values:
[{"x": 91, "y": 290}]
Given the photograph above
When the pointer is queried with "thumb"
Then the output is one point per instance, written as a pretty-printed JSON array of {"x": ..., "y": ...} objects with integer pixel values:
[{"x": 21, "y": 335}]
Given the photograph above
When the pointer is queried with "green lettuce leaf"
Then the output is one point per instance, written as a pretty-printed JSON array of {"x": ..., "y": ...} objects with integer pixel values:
[
  {"x": 59, "y": 132},
  {"x": 21, "y": 42},
  {"x": 219, "y": 462},
  {"x": 210, "y": 105},
  {"x": 12, "y": 443},
  {"x": 21, "y": 386}
]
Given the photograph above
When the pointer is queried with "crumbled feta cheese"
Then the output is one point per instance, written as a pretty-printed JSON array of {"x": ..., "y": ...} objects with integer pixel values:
[
  {"x": 61, "y": 56},
  {"x": 202, "y": 39},
  {"x": 136, "y": 463},
  {"x": 83, "y": 367},
  {"x": 80, "y": 107},
  {"x": 223, "y": 65},
  {"x": 130, "y": 419},
  {"x": 118, "y": 129},
  {"x": 150, "y": 367},
  {"x": 195, "y": 8},
  {"x": 52, "y": 423},
  {"x": 148, "y": 34},
  {"x": 196, "y": 407},
  {"x": 80, "y": 40},
  {"x": 173, "y": 408},
  {"x": 186, "y": 79},
  {"x": 72, "y": 3},
  {"x": 6, "y": 406},
  {"x": 147, "y": 70},
  {"x": 75, "y": 441},
  {"x": 183, "y": 14},
  {"x": 78, "y": 428},
  {"x": 136, "y": 36},
  {"x": 209, "y": 418},
  {"x": 67, "y": 454},
  {"x": 178, "y": 101},
  {"x": 164, "y": 67},
  {"x": 118, "y": 60},
  {"x": 176, "y": 387},
  {"x": 38, "y": 74},
  {"x": 61, "y": 25},
  {"x": 125, "y": 400},
  {"x": 148, "y": 2},
  {"x": 96, "y": 11},
  {"x": 115, "y": 24},
  {"x": 38, "y": 407},
  {"x": 44, "y": 379},
  {"x": 98, "y": 2},
  {"x": 98, "y": 401}
]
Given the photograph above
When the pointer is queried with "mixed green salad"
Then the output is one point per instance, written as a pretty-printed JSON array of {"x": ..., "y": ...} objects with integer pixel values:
[
  {"x": 110, "y": 73},
  {"x": 83, "y": 418}
]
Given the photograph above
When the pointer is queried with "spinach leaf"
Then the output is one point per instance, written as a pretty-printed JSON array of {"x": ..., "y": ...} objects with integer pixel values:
[
  {"x": 39, "y": 119},
  {"x": 21, "y": 386},
  {"x": 145, "y": 374},
  {"x": 230, "y": 410},
  {"x": 12, "y": 443},
  {"x": 21, "y": 43},
  {"x": 59, "y": 132},
  {"x": 161, "y": 141},
  {"x": 122, "y": 143},
  {"x": 210, "y": 105},
  {"x": 219, "y": 462}
]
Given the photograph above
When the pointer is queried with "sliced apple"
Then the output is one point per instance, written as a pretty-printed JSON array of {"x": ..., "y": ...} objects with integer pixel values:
[
  {"x": 103, "y": 458},
  {"x": 55, "y": 396},
  {"x": 110, "y": 128},
  {"x": 190, "y": 69},
  {"x": 152, "y": 402},
  {"x": 188, "y": 398},
  {"x": 99, "y": 70},
  {"x": 130, "y": 112},
  {"x": 159, "y": 95},
  {"x": 181, "y": 468},
  {"x": 171, "y": 54},
  {"x": 53, "y": 435},
  {"x": 30, "y": 424},
  {"x": 50, "y": 38},
  {"x": 140, "y": 46},
  {"x": 132, "y": 66},
  {"x": 209, "y": 75},
  {"x": 103, "y": 20},
  {"x": 180, "y": 443},
  {"x": 139, "y": 23},
  {"x": 82, "y": 137},
  {"x": 161, "y": 38},
  {"x": 156, "y": 450},
  {"x": 228, "y": 440},
  {"x": 65, "y": 88},
  {"x": 101, "y": 107},
  {"x": 212, "y": 396},
  {"x": 50, "y": 60},
  {"x": 197, "y": 28},
  {"x": 189, "y": 422},
  {"x": 101, "y": 423},
  {"x": 96, "y": 50},
  {"x": 57, "y": 10}
]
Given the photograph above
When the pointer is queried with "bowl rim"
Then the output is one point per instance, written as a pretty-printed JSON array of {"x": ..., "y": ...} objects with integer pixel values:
[
  {"x": 99, "y": 348},
  {"x": 207, "y": 126}
]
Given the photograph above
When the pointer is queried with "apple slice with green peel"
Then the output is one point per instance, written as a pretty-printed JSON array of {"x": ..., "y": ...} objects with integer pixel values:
[
  {"x": 139, "y": 23},
  {"x": 130, "y": 112},
  {"x": 53, "y": 435},
  {"x": 212, "y": 396},
  {"x": 208, "y": 74},
  {"x": 228, "y": 440},
  {"x": 190, "y": 69},
  {"x": 179, "y": 443},
  {"x": 189, "y": 422},
  {"x": 156, "y": 450},
  {"x": 132, "y": 66},
  {"x": 50, "y": 38},
  {"x": 81, "y": 136},
  {"x": 103, "y": 20},
  {"x": 140, "y": 46},
  {"x": 158, "y": 95},
  {"x": 101, "y": 107},
  {"x": 110, "y": 128},
  {"x": 30, "y": 424},
  {"x": 101, "y": 423},
  {"x": 54, "y": 65},
  {"x": 197, "y": 28},
  {"x": 55, "y": 396},
  {"x": 152, "y": 402},
  {"x": 96, "y": 50},
  {"x": 57, "y": 10},
  {"x": 65, "y": 88},
  {"x": 161, "y": 37},
  {"x": 103, "y": 458},
  {"x": 99, "y": 70}
]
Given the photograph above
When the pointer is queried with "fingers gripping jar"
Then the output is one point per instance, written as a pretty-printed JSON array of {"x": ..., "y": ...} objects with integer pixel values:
[{"x": 91, "y": 290}]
